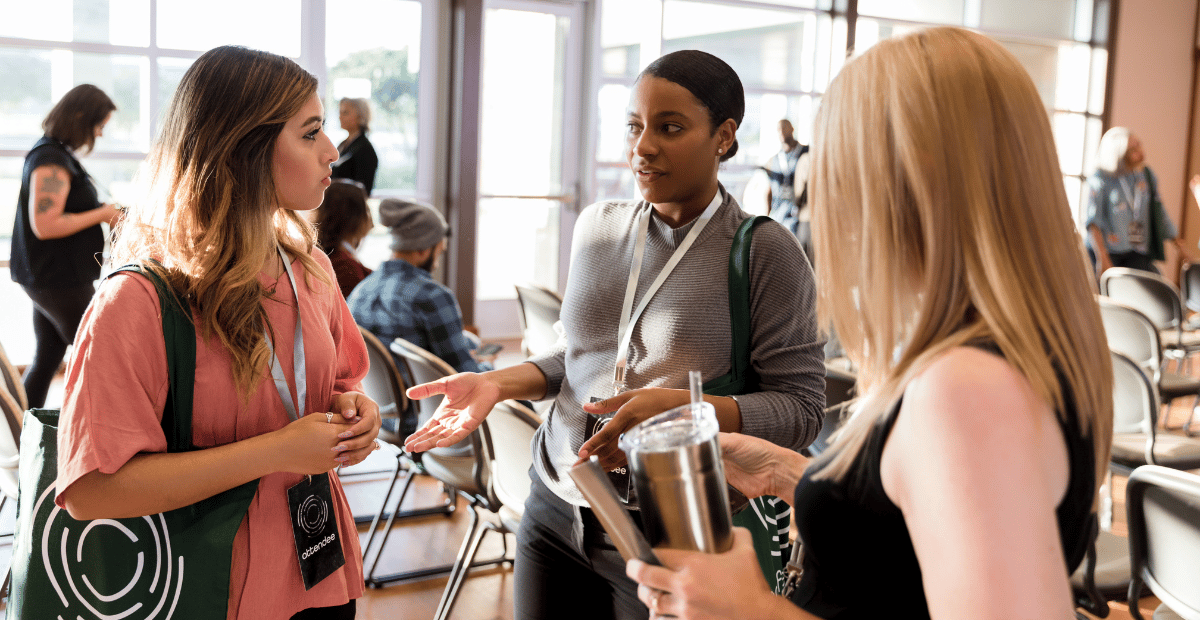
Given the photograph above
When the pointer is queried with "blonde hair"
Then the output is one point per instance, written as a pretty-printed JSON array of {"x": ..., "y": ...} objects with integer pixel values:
[
  {"x": 1114, "y": 145},
  {"x": 362, "y": 107},
  {"x": 940, "y": 219},
  {"x": 211, "y": 216}
]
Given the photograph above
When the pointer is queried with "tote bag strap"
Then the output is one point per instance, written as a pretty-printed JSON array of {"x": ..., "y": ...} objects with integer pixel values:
[
  {"x": 179, "y": 335},
  {"x": 738, "y": 380}
]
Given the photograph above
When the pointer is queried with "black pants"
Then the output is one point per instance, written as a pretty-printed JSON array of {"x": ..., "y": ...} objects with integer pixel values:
[
  {"x": 338, "y": 612},
  {"x": 56, "y": 316},
  {"x": 563, "y": 572}
]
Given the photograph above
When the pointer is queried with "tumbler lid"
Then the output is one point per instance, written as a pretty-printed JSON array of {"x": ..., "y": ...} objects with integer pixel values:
[{"x": 687, "y": 425}]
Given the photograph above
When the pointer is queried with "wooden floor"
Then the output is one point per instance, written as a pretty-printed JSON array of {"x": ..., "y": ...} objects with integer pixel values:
[{"x": 434, "y": 540}]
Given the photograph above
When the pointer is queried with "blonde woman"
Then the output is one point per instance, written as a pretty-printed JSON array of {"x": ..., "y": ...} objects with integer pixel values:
[
  {"x": 964, "y": 484},
  {"x": 1126, "y": 222},
  {"x": 241, "y": 152}
]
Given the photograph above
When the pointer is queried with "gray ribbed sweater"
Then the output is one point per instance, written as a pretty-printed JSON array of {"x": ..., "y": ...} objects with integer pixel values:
[{"x": 684, "y": 327}]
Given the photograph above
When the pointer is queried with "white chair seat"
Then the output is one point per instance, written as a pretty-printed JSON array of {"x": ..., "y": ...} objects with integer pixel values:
[
  {"x": 1169, "y": 450},
  {"x": 1173, "y": 385},
  {"x": 1164, "y": 613},
  {"x": 1112, "y": 566}
]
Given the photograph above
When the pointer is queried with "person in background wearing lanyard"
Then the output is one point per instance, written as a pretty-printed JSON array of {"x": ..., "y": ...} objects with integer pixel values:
[
  {"x": 57, "y": 239},
  {"x": 661, "y": 256},
  {"x": 964, "y": 485},
  {"x": 1126, "y": 221},
  {"x": 241, "y": 152}
]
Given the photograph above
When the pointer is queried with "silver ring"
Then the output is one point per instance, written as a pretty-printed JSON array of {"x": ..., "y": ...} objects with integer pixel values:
[{"x": 329, "y": 418}]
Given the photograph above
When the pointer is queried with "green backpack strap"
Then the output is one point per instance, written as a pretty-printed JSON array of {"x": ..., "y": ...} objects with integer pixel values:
[
  {"x": 738, "y": 380},
  {"x": 768, "y": 525},
  {"x": 179, "y": 335}
]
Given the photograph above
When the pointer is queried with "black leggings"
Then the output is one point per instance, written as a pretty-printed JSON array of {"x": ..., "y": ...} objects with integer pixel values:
[
  {"x": 56, "y": 316},
  {"x": 337, "y": 612}
]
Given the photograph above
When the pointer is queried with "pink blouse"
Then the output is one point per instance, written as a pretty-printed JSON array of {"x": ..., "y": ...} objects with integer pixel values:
[{"x": 116, "y": 388}]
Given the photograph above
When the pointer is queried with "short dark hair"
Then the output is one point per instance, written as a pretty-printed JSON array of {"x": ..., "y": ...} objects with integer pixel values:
[
  {"x": 710, "y": 80},
  {"x": 74, "y": 118},
  {"x": 343, "y": 214}
]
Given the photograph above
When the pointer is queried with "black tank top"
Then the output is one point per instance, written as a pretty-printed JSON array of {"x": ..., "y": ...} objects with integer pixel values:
[{"x": 859, "y": 560}]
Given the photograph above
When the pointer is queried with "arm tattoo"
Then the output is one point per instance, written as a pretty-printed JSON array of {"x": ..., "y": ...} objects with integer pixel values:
[
  {"x": 44, "y": 204},
  {"x": 52, "y": 184}
]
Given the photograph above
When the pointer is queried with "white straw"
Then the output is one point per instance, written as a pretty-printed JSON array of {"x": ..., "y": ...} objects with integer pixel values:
[{"x": 697, "y": 395}]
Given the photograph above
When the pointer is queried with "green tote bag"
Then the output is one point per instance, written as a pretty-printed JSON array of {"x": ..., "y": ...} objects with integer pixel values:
[
  {"x": 767, "y": 518},
  {"x": 173, "y": 565}
]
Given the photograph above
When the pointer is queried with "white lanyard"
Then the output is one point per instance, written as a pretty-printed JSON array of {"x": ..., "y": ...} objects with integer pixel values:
[
  {"x": 1130, "y": 196},
  {"x": 628, "y": 318},
  {"x": 285, "y": 394}
]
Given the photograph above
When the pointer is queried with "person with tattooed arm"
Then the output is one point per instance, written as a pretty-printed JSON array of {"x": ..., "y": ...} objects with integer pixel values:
[{"x": 56, "y": 238}]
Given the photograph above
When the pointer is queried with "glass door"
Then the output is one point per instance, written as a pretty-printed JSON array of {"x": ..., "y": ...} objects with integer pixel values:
[{"x": 529, "y": 153}]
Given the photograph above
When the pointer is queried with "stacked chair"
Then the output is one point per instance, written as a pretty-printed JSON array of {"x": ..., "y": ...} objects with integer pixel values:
[
  {"x": 384, "y": 384},
  {"x": 1163, "y": 510},
  {"x": 839, "y": 389},
  {"x": 540, "y": 308},
  {"x": 10, "y": 443},
  {"x": 1133, "y": 334},
  {"x": 464, "y": 467},
  {"x": 1159, "y": 300}
]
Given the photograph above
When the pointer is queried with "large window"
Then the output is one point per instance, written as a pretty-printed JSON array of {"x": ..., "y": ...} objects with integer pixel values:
[
  {"x": 782, "y": 55},
  {"x": 1059, "y": 42},
  {"x": 138, "y": 50},
  {"x": 787, "y": 51}
]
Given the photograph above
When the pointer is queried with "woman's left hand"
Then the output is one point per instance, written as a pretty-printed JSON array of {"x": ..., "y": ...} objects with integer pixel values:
[
  {"x": 692, "y": 585},
  {"x": 358, "y": 441},
  {"x": 632, "y": 407}
]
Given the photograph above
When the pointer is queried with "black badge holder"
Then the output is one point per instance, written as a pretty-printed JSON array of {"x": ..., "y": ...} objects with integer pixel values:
[
  {"x": 618, "y": 477},
  {"x": 593, "y": 482},
  {"x": 314, "y": 525}
]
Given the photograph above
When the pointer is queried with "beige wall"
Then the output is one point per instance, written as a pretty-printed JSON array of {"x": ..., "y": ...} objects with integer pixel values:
[{"x": 1152, "y": 95}]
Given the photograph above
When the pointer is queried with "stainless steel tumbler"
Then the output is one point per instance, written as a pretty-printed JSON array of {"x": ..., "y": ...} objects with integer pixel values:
[{"x": 680, "y": 480}]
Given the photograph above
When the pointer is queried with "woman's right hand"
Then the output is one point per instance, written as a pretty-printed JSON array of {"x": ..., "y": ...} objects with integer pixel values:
[
  {"x": 469, "y": 398},
  {"x": 310, "y": 445},
  {"x": 757, "y": 467}
]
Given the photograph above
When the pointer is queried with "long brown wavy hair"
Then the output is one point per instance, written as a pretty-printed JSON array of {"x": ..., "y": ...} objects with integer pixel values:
[{"x": 211, "y": 215}]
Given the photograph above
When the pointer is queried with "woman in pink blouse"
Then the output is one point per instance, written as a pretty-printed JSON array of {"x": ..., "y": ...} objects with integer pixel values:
[{"x": 241, "y": 152}]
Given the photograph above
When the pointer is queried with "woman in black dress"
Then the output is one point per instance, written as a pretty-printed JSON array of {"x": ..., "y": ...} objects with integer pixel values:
[{"x": 357, "y": 160}]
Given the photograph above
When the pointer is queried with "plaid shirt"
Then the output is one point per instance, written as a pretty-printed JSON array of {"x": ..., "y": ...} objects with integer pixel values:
[{"x": 402, "y": 301}]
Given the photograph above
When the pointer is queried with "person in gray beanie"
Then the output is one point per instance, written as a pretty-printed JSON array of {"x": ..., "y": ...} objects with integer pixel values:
[{"x": 402, "y": 300}]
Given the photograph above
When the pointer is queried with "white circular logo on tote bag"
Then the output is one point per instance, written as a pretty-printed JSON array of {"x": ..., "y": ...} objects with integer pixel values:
[{"x": 140, "y": 578}]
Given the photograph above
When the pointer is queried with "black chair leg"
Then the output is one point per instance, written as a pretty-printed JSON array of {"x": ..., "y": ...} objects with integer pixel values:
[
  {"x": 387, "y": 529},
  {"x": 376, "y": 582},
  {"x": 454, "y": 584}
]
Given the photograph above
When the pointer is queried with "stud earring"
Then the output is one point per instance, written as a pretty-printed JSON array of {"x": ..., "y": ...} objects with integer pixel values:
[{"x": 719, "y": 151}]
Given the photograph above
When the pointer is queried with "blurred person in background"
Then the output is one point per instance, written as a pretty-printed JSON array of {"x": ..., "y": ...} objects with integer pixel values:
[
  {"x": 57, "y": 240},
  {"x": 402, "y": 300},
  {"x": 357, "y": 160},
  {"x": 342, "y": 220},
  {"x": 788, "y": 177},
  {"x": 1127, "y": 224}
]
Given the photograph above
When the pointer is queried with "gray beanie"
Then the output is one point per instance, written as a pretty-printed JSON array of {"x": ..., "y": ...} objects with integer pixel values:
[{"x": 415, "y": 226}]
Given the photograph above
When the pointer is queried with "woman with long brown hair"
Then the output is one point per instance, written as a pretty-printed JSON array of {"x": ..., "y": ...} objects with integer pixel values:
[
  {"x": 964, "y": 483},
  {"x": 241, "y": 152}
]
